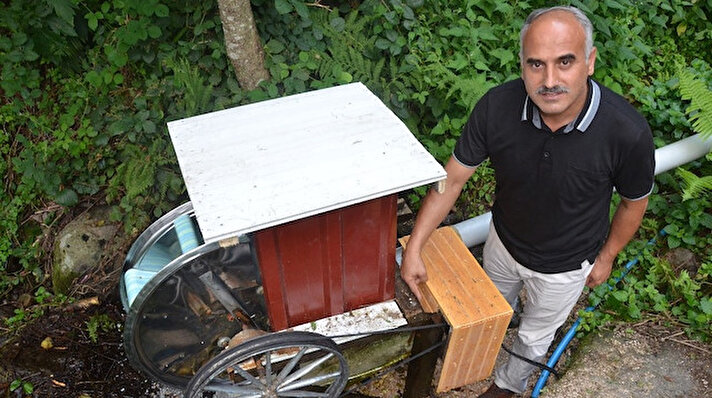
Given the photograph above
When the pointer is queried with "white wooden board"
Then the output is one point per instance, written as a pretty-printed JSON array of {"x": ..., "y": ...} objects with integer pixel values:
[
  {"x": 268, "y": 163},
  {"x": 377, "y": 317}
]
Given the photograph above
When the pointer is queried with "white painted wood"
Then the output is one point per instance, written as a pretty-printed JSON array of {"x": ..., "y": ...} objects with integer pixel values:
[
  {"x": 382, "y": 316},
  {"x": 385, "y": 315},
  {"x": 264, "y": 164}
]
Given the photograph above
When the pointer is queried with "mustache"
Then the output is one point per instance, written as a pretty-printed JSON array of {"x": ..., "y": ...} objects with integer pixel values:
[{"x": 552, "y": 90}]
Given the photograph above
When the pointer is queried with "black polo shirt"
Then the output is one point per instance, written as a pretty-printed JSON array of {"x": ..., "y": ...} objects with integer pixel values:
[{"x": 553, "y": 189}]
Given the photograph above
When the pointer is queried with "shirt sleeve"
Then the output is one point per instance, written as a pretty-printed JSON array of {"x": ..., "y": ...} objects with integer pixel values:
[
  {"x": 634, "y": 180},
  {"x": 471, "y": 147}
]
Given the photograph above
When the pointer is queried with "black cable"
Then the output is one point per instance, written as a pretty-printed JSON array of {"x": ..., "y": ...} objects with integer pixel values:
[
  {"x": 426, "y": 351},
  {"x": 529, "y": 361}
]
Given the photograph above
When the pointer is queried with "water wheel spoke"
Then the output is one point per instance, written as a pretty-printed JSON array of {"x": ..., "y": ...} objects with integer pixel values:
[
  {"x": 306, "y": 369},
  {"x": 301, "y": 393},
  {"x": 324, "y": 370},
  {"x": 291, "y": 364},
  {"x": 309, "y": 382},
  {"x": 235, "y": 390},
  {"x": 268, "y": 368},
  {"x": 248, "y": 377}
]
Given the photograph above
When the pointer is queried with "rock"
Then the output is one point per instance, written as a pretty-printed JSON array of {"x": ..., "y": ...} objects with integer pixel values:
[
  {"x": 80, "y": 246},
  {"x": 24, "y": 300},
  {"x": 47, "y": 343},
  {"x": 682, "y": 259}
]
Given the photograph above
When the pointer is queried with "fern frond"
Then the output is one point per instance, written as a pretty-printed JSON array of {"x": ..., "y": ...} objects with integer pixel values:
[
  {"x": 139, "y": 175},
  {"x": 377, "y": 69},
  {"x": 346, "y": 51},
  {"x": 196, "y": 94},
  {"x": 351, "y": 20},
  {"x": 467, "y": 90},
  {"x": 694, "y": 186},
  {"x": 700, "y": 96}
]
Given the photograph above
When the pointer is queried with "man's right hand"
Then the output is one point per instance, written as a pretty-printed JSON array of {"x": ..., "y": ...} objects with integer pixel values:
[
  {"x": 435, "y": 207},
  {"x": 413, "y": 271}
]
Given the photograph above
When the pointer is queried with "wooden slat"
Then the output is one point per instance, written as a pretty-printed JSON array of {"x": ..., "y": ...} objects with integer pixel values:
[{"x": 471, "y": 304}]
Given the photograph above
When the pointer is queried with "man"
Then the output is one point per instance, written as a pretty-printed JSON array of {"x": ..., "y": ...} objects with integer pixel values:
[{"x": 559, "y": 144}]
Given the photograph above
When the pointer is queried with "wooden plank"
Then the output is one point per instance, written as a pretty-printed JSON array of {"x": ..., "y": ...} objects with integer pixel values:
[
  {"x": 458, "y": 298},
  {"x": 420, "y": 372},
  {"x": 474, "y": 283},
  {"x": 471, "y": 304},
  {"x": 271, "y": 162},
  {"x": 490, "y": 350},
  {"x": 376, "y": 317},
  {"x": 456, "y": 360},
  {"x": 445, "y": 288},
  {"x": 427, "y": 301},
  {"x": 446, "y": 257}
]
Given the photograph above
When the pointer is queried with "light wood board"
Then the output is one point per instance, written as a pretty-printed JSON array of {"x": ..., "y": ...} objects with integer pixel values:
[{"x": 458, "y": 287}]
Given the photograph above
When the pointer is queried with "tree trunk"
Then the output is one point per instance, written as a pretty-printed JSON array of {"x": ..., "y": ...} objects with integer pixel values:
[{"x": 242, "y": 42}]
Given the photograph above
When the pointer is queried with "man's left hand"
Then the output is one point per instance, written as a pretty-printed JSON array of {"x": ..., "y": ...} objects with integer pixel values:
[{"x": 600, "y": 272}]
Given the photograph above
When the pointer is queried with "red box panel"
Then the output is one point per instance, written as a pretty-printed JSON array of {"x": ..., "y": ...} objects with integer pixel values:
[{"x": 328, "y": 264}]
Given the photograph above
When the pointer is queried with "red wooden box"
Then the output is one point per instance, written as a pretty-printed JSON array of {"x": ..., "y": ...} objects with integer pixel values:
[{"x": 328, "y": 264}]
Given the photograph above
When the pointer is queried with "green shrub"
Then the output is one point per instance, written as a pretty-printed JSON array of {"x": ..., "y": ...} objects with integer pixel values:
[{"x": 88, "y": 87}]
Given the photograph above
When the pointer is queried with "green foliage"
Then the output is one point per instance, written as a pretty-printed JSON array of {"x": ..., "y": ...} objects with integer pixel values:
[
  {"x": 698, "y": 92},
  {"x": 42, "y": 295},
  {"x": 99, "y": 321},
  {"x": 25, "y": 387},
  {"x": 653, "y": 290},
  {"x": 196, "y": 94},
  {"x": 478, "y": 195},
  {"x": 22, "y": 316},
  {"x": 43, "y": 300},
  {"x": 694, "y": 186},
  {"x": 657, "y": 292},
  {"x": 696, "y": 89},
  {"x": 89, "y": 86}
]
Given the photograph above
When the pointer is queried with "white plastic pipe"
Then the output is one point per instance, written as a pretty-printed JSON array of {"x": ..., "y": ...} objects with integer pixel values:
[
  {"x": 474, "y": 231},
  {"x": 681, "y": 152}
]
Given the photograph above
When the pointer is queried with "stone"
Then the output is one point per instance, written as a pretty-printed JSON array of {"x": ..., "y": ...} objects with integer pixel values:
[
  {"x": 682, "y": 259},
  {"x": 25, "y": 300},
  {"x": 79, "y": 247}
]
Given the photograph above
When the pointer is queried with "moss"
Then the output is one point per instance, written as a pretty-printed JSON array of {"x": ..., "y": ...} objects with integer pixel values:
[{"x": 62, "y": 279}]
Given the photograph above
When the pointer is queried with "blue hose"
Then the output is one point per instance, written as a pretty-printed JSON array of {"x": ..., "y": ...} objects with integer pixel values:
[{"x": 572, "y": 331}]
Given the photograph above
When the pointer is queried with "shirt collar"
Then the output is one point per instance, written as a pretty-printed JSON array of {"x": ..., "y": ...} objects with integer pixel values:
[{"x": 531, "y": 112}]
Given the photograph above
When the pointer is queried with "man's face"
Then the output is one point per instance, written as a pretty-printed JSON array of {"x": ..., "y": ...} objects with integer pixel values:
[{"x": 555, "y": 68}]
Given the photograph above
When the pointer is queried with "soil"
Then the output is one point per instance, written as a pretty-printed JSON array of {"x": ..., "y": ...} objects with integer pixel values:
[{"x": 74, "y": 365}]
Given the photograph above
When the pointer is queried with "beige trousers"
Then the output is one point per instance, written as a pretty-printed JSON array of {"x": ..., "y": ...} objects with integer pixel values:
[{"x": 549, "y": 299}]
